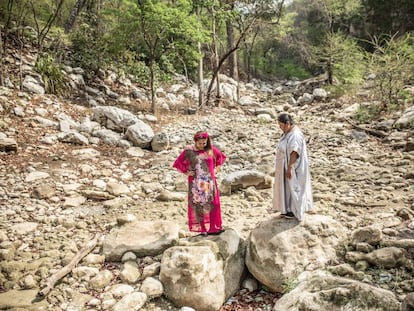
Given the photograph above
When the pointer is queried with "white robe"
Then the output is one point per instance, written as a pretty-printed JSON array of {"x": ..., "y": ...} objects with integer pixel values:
[{"x": 294, "y": 194}]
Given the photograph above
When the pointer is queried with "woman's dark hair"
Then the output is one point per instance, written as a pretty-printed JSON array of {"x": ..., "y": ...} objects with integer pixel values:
[{"x": 285, "y": 118}]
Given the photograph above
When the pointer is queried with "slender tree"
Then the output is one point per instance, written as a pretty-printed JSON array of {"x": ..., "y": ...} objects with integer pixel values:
[
  {"x": 167, "y": 31},
  {"x": 43, "y": 31},
  {"x": 200, "y": 74},
  {"x": 245, "y": 16},
  {"x": 326, "y": 37}
]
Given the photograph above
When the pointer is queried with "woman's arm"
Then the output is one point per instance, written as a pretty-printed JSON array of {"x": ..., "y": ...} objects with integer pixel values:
[
  {"x": 292, "y": 159},
  {"x": 219, "y": 157},
  {"x": 181, "y": 163}
]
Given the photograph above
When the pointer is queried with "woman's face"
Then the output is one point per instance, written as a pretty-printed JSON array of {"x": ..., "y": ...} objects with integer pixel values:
[
  {"x": 283, "y": 126},
  {"x": 201, "y": 143}
]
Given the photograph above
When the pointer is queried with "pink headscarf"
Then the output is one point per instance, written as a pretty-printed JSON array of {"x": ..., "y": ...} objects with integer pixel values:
[{"x": 202, "y": 135}]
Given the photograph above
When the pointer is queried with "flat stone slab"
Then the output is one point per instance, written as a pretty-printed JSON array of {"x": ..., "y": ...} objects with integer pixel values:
[{"x": 23, "y": 299}]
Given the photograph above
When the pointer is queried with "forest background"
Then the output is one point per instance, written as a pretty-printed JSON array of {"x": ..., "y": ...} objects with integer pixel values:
[{"x": 150, "y": 41}]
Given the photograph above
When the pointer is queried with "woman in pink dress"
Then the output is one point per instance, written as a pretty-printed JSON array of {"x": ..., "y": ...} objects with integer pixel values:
[{"x": 201, "y": 163}]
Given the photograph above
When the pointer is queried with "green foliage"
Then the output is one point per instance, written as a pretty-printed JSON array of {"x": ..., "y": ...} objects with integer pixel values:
[
  {"x": 133, "y": 36},
  {"x": 17, "y": 12},
  {"x": 367, "y": 113},
  {"x": 392, "y": 61},
  {"x": 291, "y": 69},
  {"x": 279, "y": 67},
  {"x": 275, "y": 51},
  {"x": 52, "y": 74},
  {"x": 336, "y": 90},
  {"x": 163, "y": 31},
  {"x": 89, "y": 51},
  {"x": 137, "y": 69},
  {"x": 289, "y": 285},
  {"x": 342, "y": 57},
  {"x": 320, "y": 37},
  {"x": 340, "y": 8}
]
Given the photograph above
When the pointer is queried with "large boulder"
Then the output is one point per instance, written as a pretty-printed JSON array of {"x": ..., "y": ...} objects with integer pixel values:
[
  {"x": 407, "y": 118},
  {"x": 140, "y": 134},
  {"x": 371, "y": 235},
  {"x": 321, "y": 291},
  {"x": 33, "y": 84},
  {"x": 244, "y": 179},
  {"x": 203, "y": 272},
  {"x": 114, "y": 118},
  {"x": 144, "y": 238},
  {"x": 387, "y": 257},
  {"x": 160, "y": 142},
  {"x": 279, "y": 249},
  {"x": 21, "y": 300}
]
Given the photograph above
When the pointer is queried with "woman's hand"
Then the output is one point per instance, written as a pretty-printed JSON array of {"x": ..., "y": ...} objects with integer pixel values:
[
  {"x": 190, "y": 173},
  {"x": 216, "y": 170},
  {"x": 291, "y": 165},
  {"x": 289, "y": 171}
]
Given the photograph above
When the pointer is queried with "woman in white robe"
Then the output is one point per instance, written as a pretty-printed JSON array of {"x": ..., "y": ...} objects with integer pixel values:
[{"x": 292, "y": 190}]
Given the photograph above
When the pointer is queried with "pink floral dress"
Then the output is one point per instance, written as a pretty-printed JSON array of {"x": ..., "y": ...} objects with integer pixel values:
[{"x": 204, "y": 214}]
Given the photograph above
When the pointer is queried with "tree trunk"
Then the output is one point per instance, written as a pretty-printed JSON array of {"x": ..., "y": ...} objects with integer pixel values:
[
  {"x": 223, "y": 58},
  {"x": 152, "y": 78},
  {"x": 233, "y": 57},
  {"x": 46, "y": 28},
  {"x": 77, "y": 8},
  {"x": 248, "y": 55},
  {"x": 233, "y": 63},
  {"x": 217, "y": 70},
  {"x": 249, "y": 67},
  {"x": 200, "y": 69},
  {"x": 216, "y": 58},
  {"x": 200, "y": 78},
  {"x": 330, "y": 72}
]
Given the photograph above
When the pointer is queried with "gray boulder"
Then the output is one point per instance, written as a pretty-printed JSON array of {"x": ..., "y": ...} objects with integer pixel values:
[
  {"x": 144, "y": 238},
  {"x": 279, "y": 249},
  {"x": 204, "y": 272},
  {"x": 140, "y": 134},
  {"x": 322, "y": 291},
  {"x": 244, "y": 179}
]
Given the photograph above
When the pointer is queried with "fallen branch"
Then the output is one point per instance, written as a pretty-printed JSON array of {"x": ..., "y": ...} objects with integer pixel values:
[
  {"x": 54, "y": 278},
  {"x": 360, "y": 204},
  {"x": 376, "y": 133}
]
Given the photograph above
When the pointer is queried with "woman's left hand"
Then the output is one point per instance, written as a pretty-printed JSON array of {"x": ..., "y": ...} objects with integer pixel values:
[
  {"x": 289, "y": 171},
  {"x": 216, "y": 169}
]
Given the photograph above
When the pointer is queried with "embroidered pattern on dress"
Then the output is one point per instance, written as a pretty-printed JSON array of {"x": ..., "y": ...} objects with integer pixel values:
[{"x": 202, "y": 187}]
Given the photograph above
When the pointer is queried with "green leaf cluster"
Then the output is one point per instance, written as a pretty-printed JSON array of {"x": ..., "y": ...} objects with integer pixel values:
[
  {"x": 52, "y": 74},
  {"x": 157, "y": 31},
  {"x": 392, "y": 62},
  {"x": 344, "y": 57}
]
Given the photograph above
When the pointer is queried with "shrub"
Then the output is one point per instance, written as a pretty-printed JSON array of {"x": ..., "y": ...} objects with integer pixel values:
[
  {"x": 367, "y": 113},
  {"x": 52, "y": 74},
  {"x": 89, "y": 50},
  {"x": 392, "y": 62},
  {"x": 294, "y": 70}
]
